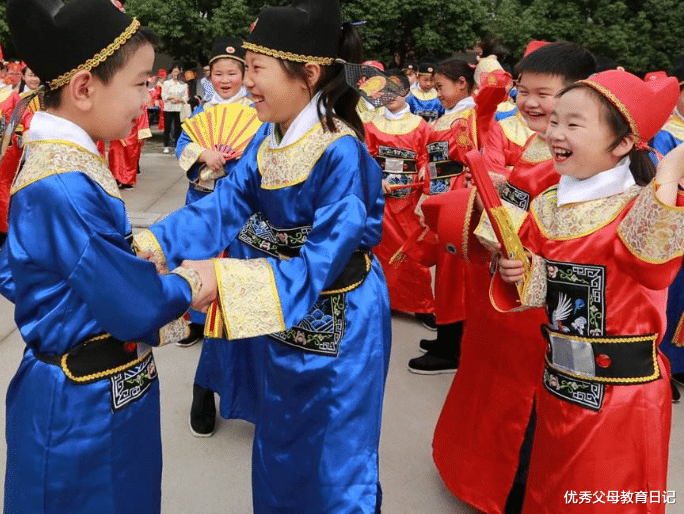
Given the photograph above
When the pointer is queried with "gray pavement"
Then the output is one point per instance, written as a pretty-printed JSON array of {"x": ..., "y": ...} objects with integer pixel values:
[{"x": 212, "y": 476}]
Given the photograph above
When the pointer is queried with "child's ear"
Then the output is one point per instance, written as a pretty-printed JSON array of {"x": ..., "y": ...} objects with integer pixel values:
[
  {"x": 313, "y": 74},
  {"x": 81, "y": 90},
  {"x": 624, "y": 146}
]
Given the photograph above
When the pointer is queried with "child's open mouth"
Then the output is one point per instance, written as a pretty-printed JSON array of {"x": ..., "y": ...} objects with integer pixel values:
[{"x": 561, "y": 154}]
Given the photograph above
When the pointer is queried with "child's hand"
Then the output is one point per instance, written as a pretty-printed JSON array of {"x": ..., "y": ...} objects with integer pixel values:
[
  {"x": 669, "y": 175},
  {"x": 511, "y": 271},
  {"x": 209, "y": 291},
  {"x": 213, "y": 159},
  {"x": 150, "y": 256},
  {"x": 386, "y": 187}
]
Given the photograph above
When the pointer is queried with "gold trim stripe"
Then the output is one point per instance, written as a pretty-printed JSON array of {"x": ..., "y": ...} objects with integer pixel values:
[
  {"x": 226, "y": 56},
  {"x": 99, "y": 57},
  {"x": 288, "y": 56},
  {"x": 616, "y": 102}
]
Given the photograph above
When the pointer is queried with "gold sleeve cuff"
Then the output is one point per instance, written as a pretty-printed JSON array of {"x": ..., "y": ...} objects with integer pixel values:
[
  {"x": 189, "y": 156},
  {"x": 192, "y": 277},
  {"x": 144, "y": 133},
  {"x": 651, "y": 230},
  {"x": 534, "y": 291},
  {"x": 174, "y": 331},
  {"x": 250, "y": 304},
  {"x": 145, "y": 241},
  {"x": 485, "y": 233}
]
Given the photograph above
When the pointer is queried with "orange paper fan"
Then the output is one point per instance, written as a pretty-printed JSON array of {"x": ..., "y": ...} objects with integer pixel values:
[{"x": 227, "y": 128}]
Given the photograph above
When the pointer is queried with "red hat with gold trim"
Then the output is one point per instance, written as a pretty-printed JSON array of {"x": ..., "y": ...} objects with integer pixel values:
[
  {"x": 58, "y": 39},
  {"x": 645, "y": 104},
  {"x": 449, "y": 216},
  {"x": 533, "y": 45},
  {"x": 306, "y": 31}
]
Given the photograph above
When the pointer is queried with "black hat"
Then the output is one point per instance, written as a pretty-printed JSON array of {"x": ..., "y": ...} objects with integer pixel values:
[
  {"x": 306, "y": 31},
  {"x": 56, "y": 40},
  {"x": 411, "y": 65},
  {"x": 227, "y": 48},
  {"x": 427, "y": 68}
]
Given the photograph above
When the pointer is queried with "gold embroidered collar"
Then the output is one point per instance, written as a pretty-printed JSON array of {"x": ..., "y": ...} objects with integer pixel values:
[
  {"x": 577, "y": 219},
  {"x": 445, "y": 121},
  {"x": 292, "y": 164},
  {"x": 536, "y": 150},
  {"x": 53, "y": 157},
  {"x": 515, "y": 129},
  {"x": 406, "y": 124},
  {"x": 422, "y": 95}
]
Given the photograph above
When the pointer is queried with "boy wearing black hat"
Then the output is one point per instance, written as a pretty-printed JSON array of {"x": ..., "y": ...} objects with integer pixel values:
[
  {"x": 83, "y": 427},
  {"x": 423, "y": 99}
]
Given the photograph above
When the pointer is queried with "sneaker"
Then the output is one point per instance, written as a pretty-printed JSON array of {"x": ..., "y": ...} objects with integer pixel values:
[
  {"x": 196, "y": 335},
  {"x": 166, "y": 150},
  {"x": 676, "y": 396},
  {"x": 679, "y": 378},
  {"x": 202, "y": 420},
  {"x": 431, "y": 365},
  {"x": 427, "y": 345},
  {"x": 427, "y": 320}
]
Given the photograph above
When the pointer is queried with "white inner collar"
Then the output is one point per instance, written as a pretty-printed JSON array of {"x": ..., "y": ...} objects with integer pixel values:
[
  {"x": 392, "y": 116},
  {"x": 46, "y": 126},
  {"x": 602, "y": 185},
  {"x": 464, "y": 104},
  {"x": 216, "y": 98}
]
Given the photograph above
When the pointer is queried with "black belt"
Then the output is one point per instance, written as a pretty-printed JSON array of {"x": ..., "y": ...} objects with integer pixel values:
[
  {"x": 446, "y": 169},
  {"x": 95, "y": 358},
  {"x": 353, "y": 274},
  {"x": 611, "y": 359}
]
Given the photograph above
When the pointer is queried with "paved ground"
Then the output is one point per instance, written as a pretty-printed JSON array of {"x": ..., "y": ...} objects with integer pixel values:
[{"x": 212, "y": 476}]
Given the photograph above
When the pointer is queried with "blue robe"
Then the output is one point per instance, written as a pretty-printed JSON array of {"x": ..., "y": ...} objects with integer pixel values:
[
  {"x": 426, "y": 105},
  {"x": 308, "y": 370},
  {"x": 68, "y": 267},
  {"x": 669, "y": 137}
]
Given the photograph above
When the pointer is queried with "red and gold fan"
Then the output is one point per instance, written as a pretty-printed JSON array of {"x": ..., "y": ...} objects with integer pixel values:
[{"x": 225, "y": 128}]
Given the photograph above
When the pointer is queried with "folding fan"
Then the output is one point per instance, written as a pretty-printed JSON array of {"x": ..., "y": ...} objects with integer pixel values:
[{"x": 226, "y": 128}]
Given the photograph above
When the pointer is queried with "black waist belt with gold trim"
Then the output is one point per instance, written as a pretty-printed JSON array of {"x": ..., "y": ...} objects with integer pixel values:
[
  {"x": 353, "y": 274},
  {"x": 95, "y": 358},
  {"x": 610, "y": 359}
]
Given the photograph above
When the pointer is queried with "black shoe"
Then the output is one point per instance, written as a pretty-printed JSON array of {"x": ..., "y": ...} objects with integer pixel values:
[
  {"x": 429, "y": 364},
  {"x": 428, "y": 345},
  {"x": 428, "y": 320},
  {"x": 196, "y": 335},
  {"x": 675, "y": 391},
  {"x": 125, "y": 186},
  {"x": 679, "y": 378},
  {"x": 203, "y": 412}
]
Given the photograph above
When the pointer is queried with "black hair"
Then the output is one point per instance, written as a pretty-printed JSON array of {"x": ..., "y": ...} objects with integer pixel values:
[
  {"x": 337, "y": 98},
  {"x": 175, "y": 64},
  {"x": 564, "y": 59},
  {"x": 642, "y": 168},
  {"x": 454, "y": 69},
  {"x": 491, "y": 46},
  {"x": 106, "y": 70},
  {"x": 240, "y": 64},
  {"x": 603, "y": 63}
]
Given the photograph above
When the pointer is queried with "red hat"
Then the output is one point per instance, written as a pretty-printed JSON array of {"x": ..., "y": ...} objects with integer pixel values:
[
  {"x": 448, "y": 216},
  {"x": 646, "y": 105},
  {"x": 375, "y": 64},
  {"x": 534, "y": 45},
  {"x": 189, "y": 75},
  {"x": 161, "y": 73}
]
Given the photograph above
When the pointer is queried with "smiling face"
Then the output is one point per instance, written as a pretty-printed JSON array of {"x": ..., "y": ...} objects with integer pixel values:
[
  {"x": 31, "y": 79},
  {"x": 117, "y": 104},
  {"x": 580, "y": 138},
  {"x": 226, "y": 77},
  {"x": 450, "y": 92},
  {"x": 536, "y": 98},
  {"x": 278, "y": 97}
]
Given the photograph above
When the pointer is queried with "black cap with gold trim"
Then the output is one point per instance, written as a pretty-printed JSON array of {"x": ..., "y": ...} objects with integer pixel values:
[
  {"x": 427, "y": 68},
  {"x": 306, "y": 31},
  {"x": 227, "y": 48},
  {"x": 56, "y": 40}
]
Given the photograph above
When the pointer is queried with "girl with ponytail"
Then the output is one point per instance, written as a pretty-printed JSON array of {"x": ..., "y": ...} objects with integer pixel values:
[{"x": 299, "y": 304}]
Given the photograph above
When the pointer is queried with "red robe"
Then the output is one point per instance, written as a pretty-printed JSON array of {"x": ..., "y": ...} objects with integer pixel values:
[
  {"x": 504, "y": 143},
  {"x": 399, "y": 145},
  {"x": 12, "y": 158},
  {"x": 124, "y": 154},
  {"x": 606, "y": 274},
  {"x": 482, "y": 425}
]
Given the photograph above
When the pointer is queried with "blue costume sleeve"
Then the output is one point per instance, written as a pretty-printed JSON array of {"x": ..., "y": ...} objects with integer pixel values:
[
  {"x": 7, "y": 285},
  {"x": 663, "y": 142},
  {"x": 81, "y": 244}
]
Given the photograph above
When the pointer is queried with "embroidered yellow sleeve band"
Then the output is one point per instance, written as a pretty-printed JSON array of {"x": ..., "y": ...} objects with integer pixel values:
[
  {"x": 651, "y": 230},
  {"x": 192, "y": 277},
  {"x": 174, "y": 331},
  {"x": 534, "y": 292},
  {"x": 249, "y": 298},
  {"x": 145, "y": 241},
  {"x": 189, "y": 156}
]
